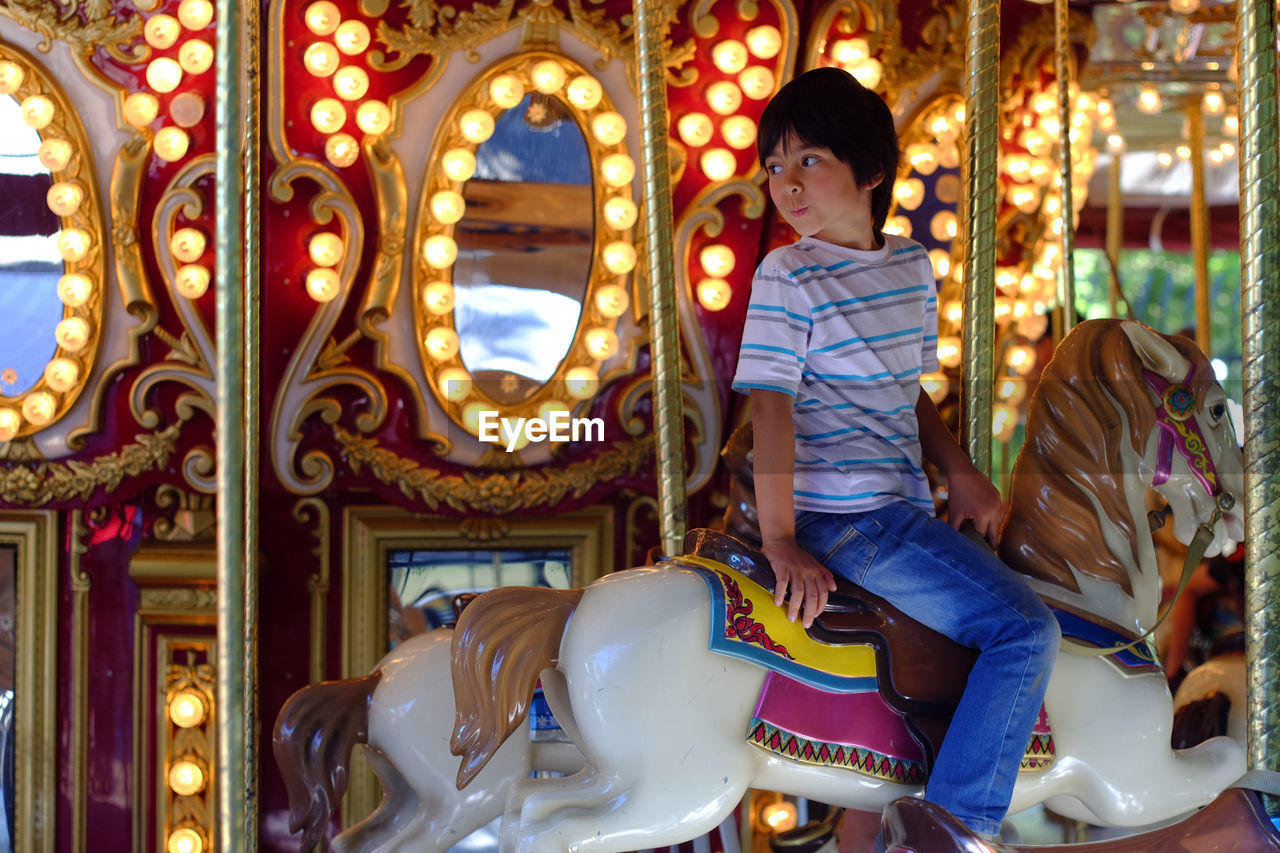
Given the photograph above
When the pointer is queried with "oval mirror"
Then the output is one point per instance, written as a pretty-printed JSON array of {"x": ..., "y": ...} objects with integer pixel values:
[
  {"x": 525, "y": 241},
  {"x": 51, "y": 263},
  {"x": 524, "y": 249}
]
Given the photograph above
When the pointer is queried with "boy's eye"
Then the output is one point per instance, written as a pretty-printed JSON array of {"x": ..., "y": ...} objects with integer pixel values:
[
  {"x": 773, "y": 168},
  {"x": 809, "y": 160}
]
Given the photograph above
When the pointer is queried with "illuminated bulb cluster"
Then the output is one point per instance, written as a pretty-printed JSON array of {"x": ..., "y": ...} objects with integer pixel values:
[
  {"x": 325, "y": 249},
  {"x": 337, "y": 54},
  {"x": 188, "y": 775},
  {"x": 717, "y": 262},
  {"x": 164, "y": 34},
  {"x": 749, "y": 80},
  {"x": 854, "y": 56}
]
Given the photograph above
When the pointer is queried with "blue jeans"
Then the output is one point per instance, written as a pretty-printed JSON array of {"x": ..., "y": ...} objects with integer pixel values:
[{"x": 935, "y": 575}]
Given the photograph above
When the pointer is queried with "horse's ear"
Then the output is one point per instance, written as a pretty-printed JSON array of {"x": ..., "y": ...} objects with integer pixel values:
[{"x": 1155, "y": 352}]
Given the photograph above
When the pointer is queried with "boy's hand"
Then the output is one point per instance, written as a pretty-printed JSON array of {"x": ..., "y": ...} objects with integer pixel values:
[
  {"x": 973, "y": 497},
  {"x": 797, "y": 570}
]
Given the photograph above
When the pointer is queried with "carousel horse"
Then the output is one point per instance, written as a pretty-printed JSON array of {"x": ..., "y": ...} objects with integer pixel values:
[{"x": 674, "y": 732}]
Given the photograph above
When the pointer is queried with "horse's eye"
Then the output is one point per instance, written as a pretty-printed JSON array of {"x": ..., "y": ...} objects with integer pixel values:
[{"x": 1217, "y": 410}]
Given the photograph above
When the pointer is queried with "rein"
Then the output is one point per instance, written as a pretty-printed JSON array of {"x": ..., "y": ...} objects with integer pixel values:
[{"x": 1178, "y": 429}]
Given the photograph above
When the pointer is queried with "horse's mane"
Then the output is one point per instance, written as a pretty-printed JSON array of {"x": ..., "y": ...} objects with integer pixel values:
[{"x": 1073, "y": 458}]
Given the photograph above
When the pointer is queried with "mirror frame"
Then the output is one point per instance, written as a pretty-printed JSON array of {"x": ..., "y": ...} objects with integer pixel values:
[
  {"x": 576, "y": 378},
  {"x": 88, "y": 218}
]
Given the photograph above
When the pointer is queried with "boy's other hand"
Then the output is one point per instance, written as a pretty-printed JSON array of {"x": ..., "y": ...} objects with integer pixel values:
[
  {"x": 797, "y": 571},
  {"x": 973, "y": 497}
]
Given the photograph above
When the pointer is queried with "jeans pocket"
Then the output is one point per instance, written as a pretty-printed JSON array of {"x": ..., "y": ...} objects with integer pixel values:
[{"x": 850, "y": 555}]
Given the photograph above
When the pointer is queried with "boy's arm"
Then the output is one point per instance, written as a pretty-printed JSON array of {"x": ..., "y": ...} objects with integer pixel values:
[
  {"x": 972, "y": 496},
  {"x": 774, "y": 465}
]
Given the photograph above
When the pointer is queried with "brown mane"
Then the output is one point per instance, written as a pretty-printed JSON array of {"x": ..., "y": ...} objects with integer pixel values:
[{"x": 1072, "y": 456}]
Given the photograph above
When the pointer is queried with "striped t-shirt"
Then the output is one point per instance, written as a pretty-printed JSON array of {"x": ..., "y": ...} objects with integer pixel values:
[{"x": 847, "y": 333}]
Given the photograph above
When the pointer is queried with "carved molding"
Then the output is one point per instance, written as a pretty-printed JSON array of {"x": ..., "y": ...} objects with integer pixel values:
[{"x": 58, "y": 481}]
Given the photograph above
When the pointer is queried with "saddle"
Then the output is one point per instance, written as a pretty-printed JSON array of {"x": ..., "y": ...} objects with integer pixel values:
[{"x": 923, "y": 673}]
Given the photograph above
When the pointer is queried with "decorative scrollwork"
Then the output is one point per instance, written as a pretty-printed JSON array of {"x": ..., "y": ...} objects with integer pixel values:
[
  {"x": 49, "y": 482},
  {"x": 86, "y": 25}
]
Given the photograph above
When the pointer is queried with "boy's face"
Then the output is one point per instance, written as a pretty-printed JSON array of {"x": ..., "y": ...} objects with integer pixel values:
[{"x": 817, "y": 194}]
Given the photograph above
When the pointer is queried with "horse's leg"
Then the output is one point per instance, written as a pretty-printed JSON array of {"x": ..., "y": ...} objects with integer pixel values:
[
  {"x": 397, "y": 815},
  {"x": 1114, "y": 764}
]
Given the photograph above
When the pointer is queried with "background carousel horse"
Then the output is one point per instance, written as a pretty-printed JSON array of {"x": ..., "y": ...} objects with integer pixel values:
[{"x": 662, "y": 720}]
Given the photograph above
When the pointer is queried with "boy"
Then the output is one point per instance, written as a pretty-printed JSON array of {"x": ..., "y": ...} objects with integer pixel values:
[{"x": 840, "y": 327}]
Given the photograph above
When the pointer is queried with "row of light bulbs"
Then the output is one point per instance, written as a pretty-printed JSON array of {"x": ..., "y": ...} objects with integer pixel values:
[
  {"x": 338, "y": 39},
  {"x": 164, "y": 74},
  {"x": 1010, "y": 391},
  {"x": 187, "y": 776}
]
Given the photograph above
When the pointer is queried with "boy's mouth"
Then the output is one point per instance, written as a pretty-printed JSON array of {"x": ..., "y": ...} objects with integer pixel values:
[{"x": 799, "y": 211}]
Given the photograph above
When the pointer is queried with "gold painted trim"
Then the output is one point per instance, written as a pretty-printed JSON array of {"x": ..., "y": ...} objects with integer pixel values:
[
  {"x": 498, "y": 492},
  {"x": 369, "y": 533},
  {"x": 318, "y": 583},
  {"x": 79, "y": 582},
  {"x": 63, "y": 21},
  {"x": 34, "y": 536}
]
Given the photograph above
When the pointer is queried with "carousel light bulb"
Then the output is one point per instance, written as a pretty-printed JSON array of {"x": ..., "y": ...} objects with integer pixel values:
[
  {"x": 471, "y": 421},
  {"x": 724, "y": 97},
  {"x": 868, "y": 72},
  {"x": 164, "y": 74},
  {"x": 1231, "y": 124},
  {"x": 1183, "y": 152},
  {"x": 953, "y": 311},
  {"x": 448, "y": 206},
  {"x": 61, "y": 374},
  {"x": 936, "y": 385},
  {"x": 323, "y": 17},
  {"x": 739, "y": 132},
  {"x": 192, "y": 281},
  {"x": 757, "y": 82},
  {"x": 171, "y": 144},
  {"x": 476, "y": 125},
  {"x": 351, "y": 83},
  {"x": 184, "y": 840},
  {"x": 848, "y": 52},
  {"x": 1007, "y": 279},
  {"x": 609, "y": 128},
  {"x": 1004, "y": 418},
  {"x": 940, "y": 260},
  {"x": 1184, "y": 7},
  {"x": 949, "y": 351},
  {"x": 187, "y": 109},
  {"x": 195, "y": 14},
  {"x": 323, "y": 284},
  {"x": 942, "y": 127},
  {"x": 552, "y": 409},
  {"x": 1036, "y": 141},
  {"x": 899, "y": 225},
  {"x": 1149, "y": 100},
  {"x": 612, "y": 300},
  {"x": 186, "y": 778},
  {"x": 1021, "y": 358},
  {"x": 321, "y": 59},
  {"x": 619, "y": 257},
  {"x": 325, "y": 249},
  {"x": 438, "y": 297},
  {"x": 923, "y": 158},
  {"x": 1044, "y": 103},
  {"x": 1115, "y": 143},
  {"x": 548, "y": 76},
  {"x": 141, "y": 108},
  {"x": 1017, "y": 167},
  {"x": 602, "y": 343},
  {"x": 187, "y": 244},
  {"x": 10, "y": 423},
  {"x": 55, "y": 154},
  {"x": 442, "y": 343},
  {"x": 1228, "y": 150},
  {"x": 72, "y": 334},
  {"x": 439, "y": 251},
  {"x": 617, "y": 170},
  {"x": 581, "y": 383},
  {"x": 714, "y": 293},
  {"x": 944, "y": 226},
  {"x": 718, "y": 164},
  {"x": 74, "y": 289},
  {"x": 909, "y": 193},
  {"x": 458, "y": 164},
  {"x": 455, "y": 384},
  {"x": 11, "y": 76},
  {"x": 161, "y": 31},
  {"x": 717, "y": 260},
  {"x": 730, "y": 56},
  {"x": 39, "y": 408},
  {"x": 352, "y": 37},
  {"x": 620, "y": 213},
  {"x": 373, "y": 117},
  {"x": 73, "y": 244},
  {"x": 1011, "y": 389},
  {"x": 187, "y": 709},
  {"x": 695, "y": 129},
  {"x": 1214, "y": 103},
  {"x": 37, "y": 111},
  {"x": 780, "y": 816},
  {"x": 585, "y": 92},
  {"x": 64, "y": 198},
  {"x": 506, "y": 90},
  {"x": 1025, "y": 198},
  {"x": 328, "y": 115},
  {"x": 764, "y": 41}
]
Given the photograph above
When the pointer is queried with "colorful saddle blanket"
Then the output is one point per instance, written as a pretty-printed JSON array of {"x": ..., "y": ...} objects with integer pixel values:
[{"x": 820, "y": 704}]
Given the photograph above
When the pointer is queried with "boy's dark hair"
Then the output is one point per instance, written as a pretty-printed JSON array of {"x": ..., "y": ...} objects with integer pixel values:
[{"x": 827, "y": 107}]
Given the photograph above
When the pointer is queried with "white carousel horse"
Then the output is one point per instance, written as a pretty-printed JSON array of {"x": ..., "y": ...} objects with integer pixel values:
[{"x": 662, "y": 720}]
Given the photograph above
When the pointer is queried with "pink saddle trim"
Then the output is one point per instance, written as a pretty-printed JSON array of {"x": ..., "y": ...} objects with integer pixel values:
[{"x": 853, "y": 719}]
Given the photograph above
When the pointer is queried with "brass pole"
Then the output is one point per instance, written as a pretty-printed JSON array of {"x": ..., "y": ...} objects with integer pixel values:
[
  {"x": 1199, "y": 221},
  {"x": 668, "y": 409},
  {"x": 1260, "y": 312},
  {"x": 1062, "y": 66},
  {"x": 235, "y": 422},
  {"x": 1115, "y": 229},
  {"x": 981, "y": 162}
]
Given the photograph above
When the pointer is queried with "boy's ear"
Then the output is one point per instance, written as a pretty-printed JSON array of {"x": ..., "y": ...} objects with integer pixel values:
[{"x": 875, "y": 181}]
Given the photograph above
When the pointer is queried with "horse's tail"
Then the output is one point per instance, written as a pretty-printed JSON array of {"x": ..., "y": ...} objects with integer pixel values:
[
  {"x": 503, "y": 640},
  {"x": 314, "y": 735}
]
